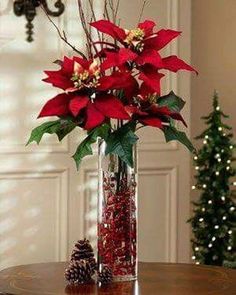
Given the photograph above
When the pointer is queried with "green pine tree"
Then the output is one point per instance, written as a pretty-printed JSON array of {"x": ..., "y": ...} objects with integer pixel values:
[{"x": 214, "y": 219}]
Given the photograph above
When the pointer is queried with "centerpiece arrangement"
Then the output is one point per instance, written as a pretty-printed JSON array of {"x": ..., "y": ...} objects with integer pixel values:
[{"x": 110, "y": 92}]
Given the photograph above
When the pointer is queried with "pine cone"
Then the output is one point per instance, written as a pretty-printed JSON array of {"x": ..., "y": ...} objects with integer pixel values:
[
  {"x": 82, "y": 250},
  {"x": 79, "y": 272},
  {"x": 105, "y": 276}
]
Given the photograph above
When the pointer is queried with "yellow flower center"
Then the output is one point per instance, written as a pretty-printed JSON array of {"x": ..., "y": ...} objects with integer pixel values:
[
  {"x": 86, "y": 78},
  {"x": 134, "y": 39}
]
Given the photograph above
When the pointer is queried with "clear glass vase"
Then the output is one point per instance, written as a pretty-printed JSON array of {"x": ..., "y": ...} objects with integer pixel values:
[{"x": 117, "y": 215}]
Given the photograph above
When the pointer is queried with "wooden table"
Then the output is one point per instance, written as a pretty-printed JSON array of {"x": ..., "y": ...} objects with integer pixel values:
[{"x": 154, "y": 279}]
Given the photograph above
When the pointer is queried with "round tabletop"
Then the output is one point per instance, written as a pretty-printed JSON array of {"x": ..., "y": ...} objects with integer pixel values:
[{"x": 153, "y": 279}]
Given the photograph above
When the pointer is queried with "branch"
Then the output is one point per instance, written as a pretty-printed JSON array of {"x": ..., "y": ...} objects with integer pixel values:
[
  {"x": 62, "y": 35},
  {"x": 117, "y": 8},
  {"x": 106, "y": 13},
  {"x": 94, "y": 17},
  {"x": 142, "y": 10}
]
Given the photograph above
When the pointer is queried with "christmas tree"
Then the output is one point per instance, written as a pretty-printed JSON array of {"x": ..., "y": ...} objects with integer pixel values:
[{"x": 214, "y": 220}]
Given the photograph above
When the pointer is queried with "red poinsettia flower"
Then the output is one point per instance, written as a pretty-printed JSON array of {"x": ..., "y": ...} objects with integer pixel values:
[
  {"x": 141, "y": 45},
  {"x": 150, "y": 114},
  {"x": 86, "y": 92}
]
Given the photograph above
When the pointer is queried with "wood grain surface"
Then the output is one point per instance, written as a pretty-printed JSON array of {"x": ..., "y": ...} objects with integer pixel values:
[{"x": 153, "y": 279}]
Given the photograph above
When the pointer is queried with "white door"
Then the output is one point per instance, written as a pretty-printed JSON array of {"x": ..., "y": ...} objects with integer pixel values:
[{"x": 45, "y": 205}]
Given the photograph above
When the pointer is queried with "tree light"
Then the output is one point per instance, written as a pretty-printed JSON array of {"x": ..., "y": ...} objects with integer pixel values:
[
  {"x": 196, "y": 249},
  {"x": 195, "y": 158},
  {"x": 231, "y": 208},
  {"x": 210, "y": 202},
  {"x": 204, "y": 142},
  {"x": 217, "y": 156},
  {"x": 234, "y": 183},
  {"x": 203, "y": 209},
  {"x": 220, "y": 128},
  {"x": 219, "y": 160},
  {"x": 217, "y": 108},
  {"x": 228, "y": 161},
  {"x": 224, "y": 217},
  {"x": 201, "y": 219},
  {"x": 229, "y": 248},
  {"x": 210, "y": 245},
  {"x": 204, "y": 185},
  {"x": 231, "y": 147},
  {"x": 223, "y": 198},
  {"x": 216, "y": 226},
  {"x": 193, "y": 187},
  {"x": 213, "y": 239},
  {"x": 222, "y": 151},
  {"x": 206, "y": 136},
  {"x": 197, "y": 168},
  {"x": 217, "y": 173},
  {"x": 197, "y": 262},
  {"x": 230, "y": 232},
  {"x": 193, "y": 257}
]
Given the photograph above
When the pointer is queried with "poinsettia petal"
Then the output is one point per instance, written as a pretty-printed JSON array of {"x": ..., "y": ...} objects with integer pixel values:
[
  {"x": 57, "y": 106},
  {"x": 77, "y": 103},
  {"x": 58, "y": 79},
  {"x": 93, "y": 117},
  {"x": 147, "y": 26},
  {"x": 165, "y": 111},
  {"x": 150, "y": 56},
  {"x": 83, "y": 62},
  {"x": 174, "y": 64},
  {"x": 110, "y": 29},
  {"x": 119, "y": 80},
  {"x": 111, "y": 107},
  {"x": 152, "y": 121},
  {"x": 177, "y": 116},
  {"x": 145, "y": 91},
  {"x": 162, "y": 38},
  {"x": 118, "y": 59},
  {"x": 131, "y": 110},
  {"x": 152, "y": 79},
  {"x": 68, "y": 65}
]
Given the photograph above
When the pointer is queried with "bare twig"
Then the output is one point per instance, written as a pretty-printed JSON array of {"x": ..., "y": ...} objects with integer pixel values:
[
  {"x": 111, "y": 4},
  {"x": 85, "y": 28},
  {"x": 106, "y": 13},
  {"x": 117, "y": 8},
  {"x": 142, "y": 10},
  {"x": 93, "y": 18},
  {"x": 62, "y": 35},
  {"x": 86, "y": 31}
]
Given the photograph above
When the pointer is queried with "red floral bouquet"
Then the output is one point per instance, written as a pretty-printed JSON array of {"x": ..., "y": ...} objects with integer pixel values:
[
  {"x": 112, "y": 91},
  {"x": 119, "y": 79}
]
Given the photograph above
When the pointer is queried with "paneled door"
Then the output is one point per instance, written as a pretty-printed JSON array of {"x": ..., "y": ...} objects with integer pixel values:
[{"x": 45, "y": 205}]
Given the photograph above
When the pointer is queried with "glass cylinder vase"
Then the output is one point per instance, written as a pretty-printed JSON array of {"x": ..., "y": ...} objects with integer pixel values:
[{"x": 117, "y": 215}]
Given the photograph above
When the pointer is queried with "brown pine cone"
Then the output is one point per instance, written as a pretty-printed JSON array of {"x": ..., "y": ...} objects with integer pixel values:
[
  {"x": 82, "y": 250},
  {"x": 105, "y": 276},
  {"x": 79, "y": 272}
]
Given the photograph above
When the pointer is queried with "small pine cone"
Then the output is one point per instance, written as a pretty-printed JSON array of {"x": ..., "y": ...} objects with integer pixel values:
[
  {"x": 105, "y": 276},
  {"x": 93, "y": 264},
  {"x": 78, "y": 272},
  {"x": 82, "y": 250}
]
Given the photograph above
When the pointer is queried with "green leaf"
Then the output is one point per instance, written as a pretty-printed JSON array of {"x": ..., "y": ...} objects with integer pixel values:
[
  {"x": 66, "y": 126},
  {"x": 47, "y": 127},
  {"x": 120, "y": 142},
  {"x": 172, "y": 101},
  {"x": 172, "y": 133},
  {"x": 60, "y": 127},
  {"x": 85, "y": 147}
]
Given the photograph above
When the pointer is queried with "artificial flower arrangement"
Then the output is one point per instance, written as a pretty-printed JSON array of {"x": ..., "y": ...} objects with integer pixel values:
[{"x": 111, "y": 92}]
